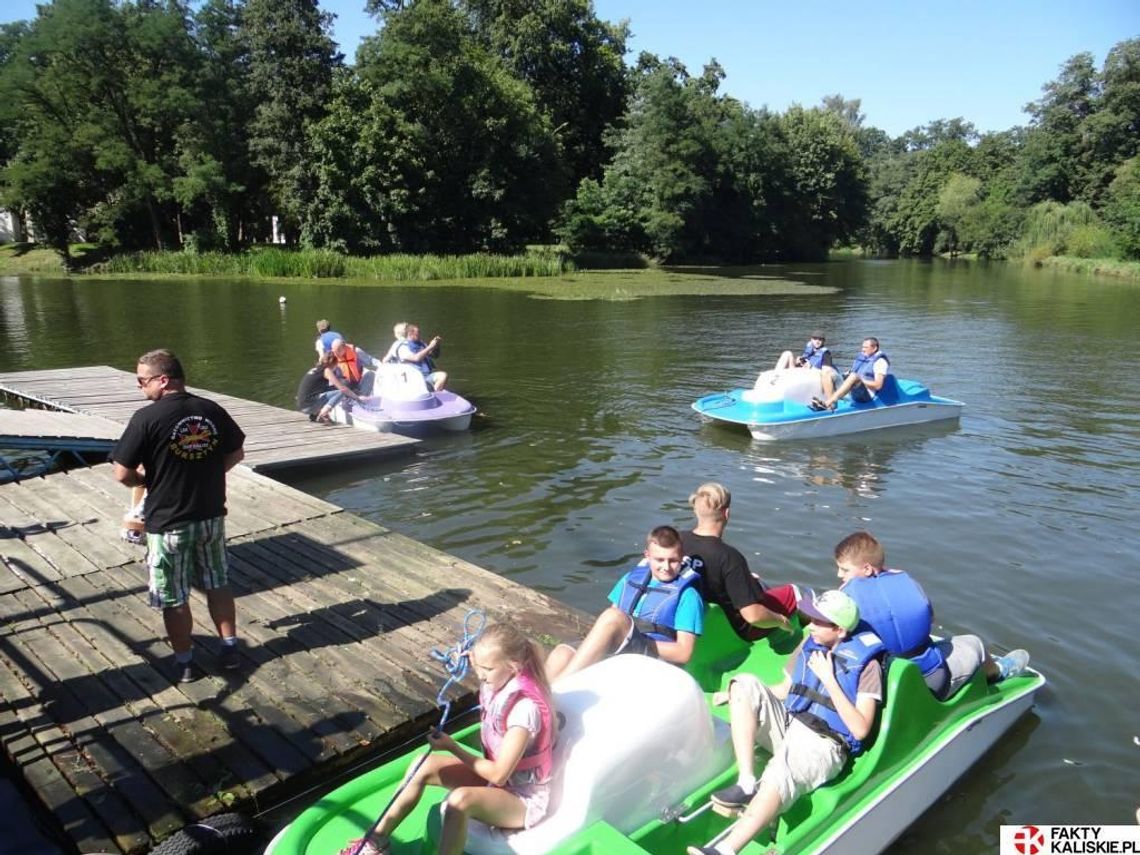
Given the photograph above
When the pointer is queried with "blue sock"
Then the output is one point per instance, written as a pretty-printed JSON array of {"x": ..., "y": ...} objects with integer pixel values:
[
  {"x": 229, "y": 641},
  {"x": 183, "y": 658}
]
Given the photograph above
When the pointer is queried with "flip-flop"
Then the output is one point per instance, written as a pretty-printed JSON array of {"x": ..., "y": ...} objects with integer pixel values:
[{"x": 369, "y": 848}]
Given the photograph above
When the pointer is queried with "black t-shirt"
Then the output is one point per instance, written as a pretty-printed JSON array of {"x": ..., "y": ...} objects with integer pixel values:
[
  {"x": 311, "y": 387},
  {"x": 181, "y": 440},
  {"x": 726, "y": 579}
]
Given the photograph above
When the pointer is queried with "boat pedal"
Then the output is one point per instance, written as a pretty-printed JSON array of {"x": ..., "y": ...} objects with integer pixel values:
[{"x": 725, "y": 810}]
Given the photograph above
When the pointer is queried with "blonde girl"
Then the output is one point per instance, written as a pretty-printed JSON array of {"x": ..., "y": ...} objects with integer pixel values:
[{"x": 508, "y": 786}]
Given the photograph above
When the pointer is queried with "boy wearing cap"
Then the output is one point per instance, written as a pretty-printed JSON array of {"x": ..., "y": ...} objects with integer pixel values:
[
  {"x": 817, "y": 717},
  {"x": 815, "y": 355}
]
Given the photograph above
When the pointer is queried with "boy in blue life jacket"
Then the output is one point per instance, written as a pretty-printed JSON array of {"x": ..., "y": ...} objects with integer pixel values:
[
  {"x": 818, "y": 716},
  {"x": 656, "y": 610}
]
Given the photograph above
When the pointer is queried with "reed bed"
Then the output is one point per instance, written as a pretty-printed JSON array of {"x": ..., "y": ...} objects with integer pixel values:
[{"x": 277, "y": 263}]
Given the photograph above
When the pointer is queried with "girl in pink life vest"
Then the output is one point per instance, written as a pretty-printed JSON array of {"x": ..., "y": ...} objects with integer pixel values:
[{"x": 508, "y": 787}]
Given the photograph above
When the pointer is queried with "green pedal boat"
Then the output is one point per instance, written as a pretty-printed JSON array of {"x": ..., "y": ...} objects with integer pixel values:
[{"x": 642, "y": 748}]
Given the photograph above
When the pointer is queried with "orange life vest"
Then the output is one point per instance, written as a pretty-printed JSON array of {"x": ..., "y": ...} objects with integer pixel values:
[{"x": 348, "y": 366}]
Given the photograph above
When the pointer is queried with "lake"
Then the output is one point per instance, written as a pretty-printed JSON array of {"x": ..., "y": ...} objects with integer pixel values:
[{"x": 1020, "y": 522}]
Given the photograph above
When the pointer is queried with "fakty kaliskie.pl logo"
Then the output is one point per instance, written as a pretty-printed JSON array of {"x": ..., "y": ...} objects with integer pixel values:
[{"x": 1070, "y": 839}]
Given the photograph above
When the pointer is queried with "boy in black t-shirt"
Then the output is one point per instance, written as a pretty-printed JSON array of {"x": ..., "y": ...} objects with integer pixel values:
[{"x": 752, "y": 610}]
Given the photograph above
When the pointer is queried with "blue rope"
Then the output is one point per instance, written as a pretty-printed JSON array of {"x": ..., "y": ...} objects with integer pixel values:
[{"x": 455, "y": 661}]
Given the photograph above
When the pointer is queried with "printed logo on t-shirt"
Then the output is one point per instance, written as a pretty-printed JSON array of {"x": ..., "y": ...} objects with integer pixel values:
[{"x": 193, "y": 438}]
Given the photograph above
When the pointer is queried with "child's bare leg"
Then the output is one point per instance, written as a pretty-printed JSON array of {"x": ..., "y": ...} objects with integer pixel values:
[
  {"x": 491, "y": 805},
  {"x": 604, "y": 637},
  {"x": 764, "y": 807},
  {"x": 557, "y": 661},
  {"x": 438, "y": 770}
]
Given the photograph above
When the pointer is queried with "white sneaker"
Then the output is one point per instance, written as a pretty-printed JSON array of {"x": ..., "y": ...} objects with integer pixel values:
[{"x": 1012, "y": 664}]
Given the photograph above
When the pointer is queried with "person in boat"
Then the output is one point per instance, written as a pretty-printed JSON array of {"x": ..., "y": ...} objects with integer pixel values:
[
  {"x": 867, "y": 375},
  {"x": 414, "y": 352},
  {"x": 895, "y": 608},
  {"x": 815, "y": 355},
  {"x": 509, "y": 785},
  {"x": 820, "y": 714},
  {"x": 346, "y": 376},
  {"x": 325, "y": 337},
  {"x": 656, "y": 610},
  {"x": 400, "y": 333},
  {"x": 752, "y": 609},
  {"x": 315, "y": 388}
]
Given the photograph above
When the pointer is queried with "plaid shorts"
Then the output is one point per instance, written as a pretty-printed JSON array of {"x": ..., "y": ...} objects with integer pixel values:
[{"x": 195, "y": 553}]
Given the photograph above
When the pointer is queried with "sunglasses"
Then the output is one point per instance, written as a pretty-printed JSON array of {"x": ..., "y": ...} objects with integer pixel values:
[{"x": 143, "y": 381}]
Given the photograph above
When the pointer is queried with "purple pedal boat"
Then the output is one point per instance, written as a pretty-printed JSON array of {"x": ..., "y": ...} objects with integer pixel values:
[{"x": 401, "y": 401}]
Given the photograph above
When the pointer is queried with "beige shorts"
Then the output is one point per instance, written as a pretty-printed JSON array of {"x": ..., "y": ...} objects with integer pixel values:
[{"x": 802, "y": 760}]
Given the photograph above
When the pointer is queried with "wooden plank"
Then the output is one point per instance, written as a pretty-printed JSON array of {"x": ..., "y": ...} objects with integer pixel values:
[
  {"x": 49, "y": 423},
  {"x": 151, "y": 696},
  {"x": 85, "y": 708},
  {"x": 70, "y": 525},
  {"x": 283, "y": 743},
  {"x": 42, "y": 539},
  {"x": 25, "y": 566},
  {"x": 101, "y": 520},
  {"x": 24, "y": 744},
  {"x": 319, "y": 617}
]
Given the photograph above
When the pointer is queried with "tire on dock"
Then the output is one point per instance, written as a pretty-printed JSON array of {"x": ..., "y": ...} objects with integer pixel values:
[{"x": 224, "y": 833}]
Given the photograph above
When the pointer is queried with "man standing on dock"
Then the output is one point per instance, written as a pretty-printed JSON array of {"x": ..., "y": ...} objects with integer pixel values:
[{"x": 180, "y": 448}]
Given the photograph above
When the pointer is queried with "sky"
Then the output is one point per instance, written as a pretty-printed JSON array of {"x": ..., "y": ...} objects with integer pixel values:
[{"x": 909, "y": 61}]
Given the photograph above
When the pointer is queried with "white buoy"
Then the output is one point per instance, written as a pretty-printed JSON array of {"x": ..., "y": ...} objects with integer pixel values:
[{"x": 282, "y": 299}]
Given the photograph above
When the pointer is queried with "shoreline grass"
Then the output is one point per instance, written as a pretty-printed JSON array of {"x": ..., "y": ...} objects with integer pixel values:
[
  {"x": 1090, "y": 266},
  {"x": 278, "y": 263}
]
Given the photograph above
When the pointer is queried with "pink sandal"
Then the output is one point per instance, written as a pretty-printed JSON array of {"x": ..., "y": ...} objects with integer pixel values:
[{"x": 369, "y": 848}]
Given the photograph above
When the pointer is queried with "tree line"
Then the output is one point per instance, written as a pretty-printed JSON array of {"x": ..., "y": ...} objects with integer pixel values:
[{"x": 488, "y": 125}]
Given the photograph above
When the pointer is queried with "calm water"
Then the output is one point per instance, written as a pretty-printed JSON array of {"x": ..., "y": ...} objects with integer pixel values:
[{"x": 1021, "y": 522}]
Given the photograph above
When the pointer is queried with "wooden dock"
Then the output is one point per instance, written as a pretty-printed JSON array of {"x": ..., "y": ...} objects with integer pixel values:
[
  {"x": 275, "y": 438},
  {"x": 336, "y": 616}
]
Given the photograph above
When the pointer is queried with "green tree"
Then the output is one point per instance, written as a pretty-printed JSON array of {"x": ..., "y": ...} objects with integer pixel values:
[
  {"x": 1122, "y": 207},
  {"x": 221, "y": 193},
  {"x": 433, "y": 145},
  {"x": 1111, "y": 134},
  {"x": 571, "y": 60},
  {"x": 1052, "y": 166},
  {"x": 291, "y": 58},
  {"x": 100, "y": 91},
  {"x": 664, "y": 167},
  {"x": 956, "y": 210},
  {"x": 829, "y": 177}
]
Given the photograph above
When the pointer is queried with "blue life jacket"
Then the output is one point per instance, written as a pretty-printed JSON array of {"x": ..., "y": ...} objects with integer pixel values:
[
  {"x": 894, "y": 607},
  {"x": 814, "y": 356},
  {"x": 808, "y": 700},
  {"x": 864, "y": 365},
  {"x": 658, "y": 602},
  {"x": 426, "y": 366}
]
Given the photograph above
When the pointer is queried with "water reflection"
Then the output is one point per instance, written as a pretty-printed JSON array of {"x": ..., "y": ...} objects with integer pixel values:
[{"x": 858, "y": 464}]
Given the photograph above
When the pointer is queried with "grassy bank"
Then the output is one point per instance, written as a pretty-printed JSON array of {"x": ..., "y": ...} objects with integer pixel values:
[
  {"x": 28, "y": 258},
  {"x": 1094, "y": 266},
  {"x": 277, "y": 263}
]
